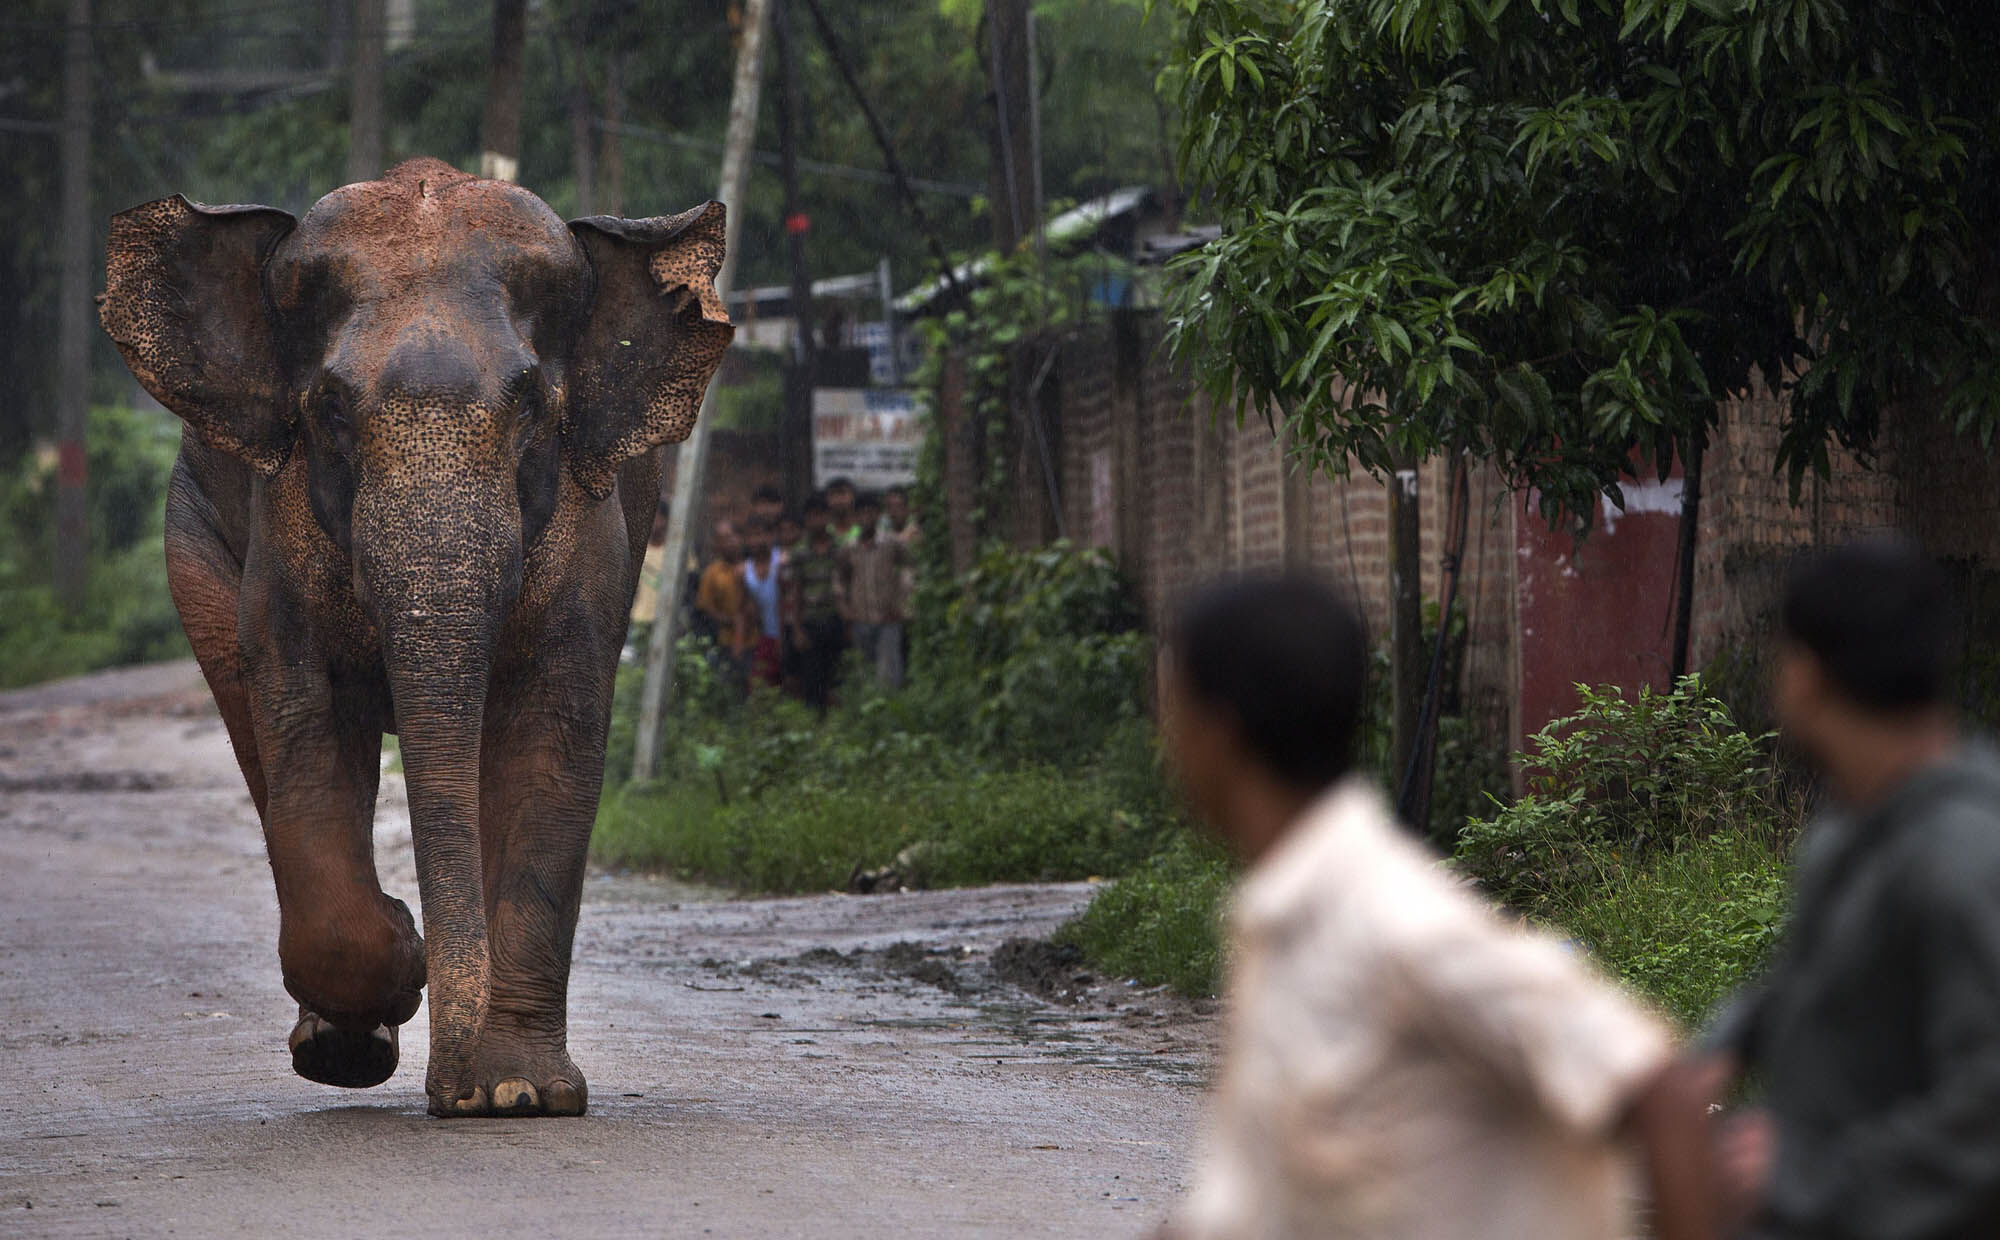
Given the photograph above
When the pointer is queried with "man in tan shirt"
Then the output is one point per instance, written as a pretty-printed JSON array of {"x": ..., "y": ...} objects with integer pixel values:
[{"x": 1401, "y": 1062}]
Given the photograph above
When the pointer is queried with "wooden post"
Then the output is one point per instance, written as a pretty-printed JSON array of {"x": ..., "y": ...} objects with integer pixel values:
[
  {"x": 74, "y": 323},
  {"x": 692, "y": 457}
]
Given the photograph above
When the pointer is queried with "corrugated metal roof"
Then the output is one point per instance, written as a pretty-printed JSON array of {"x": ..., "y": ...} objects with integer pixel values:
[{"x": 1076, "y": 224}]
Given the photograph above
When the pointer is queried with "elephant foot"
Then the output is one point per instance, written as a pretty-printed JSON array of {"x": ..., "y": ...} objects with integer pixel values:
[
  {"x": 349, "y": 1058},
  {"x": 508, "y": 1081}
]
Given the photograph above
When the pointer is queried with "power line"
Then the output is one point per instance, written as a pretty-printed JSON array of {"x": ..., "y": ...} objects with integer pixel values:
[{"x": 872, "y": 176}]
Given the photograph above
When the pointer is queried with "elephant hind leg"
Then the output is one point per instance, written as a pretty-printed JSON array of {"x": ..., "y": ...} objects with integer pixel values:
[{"x": 205, "y": 580}]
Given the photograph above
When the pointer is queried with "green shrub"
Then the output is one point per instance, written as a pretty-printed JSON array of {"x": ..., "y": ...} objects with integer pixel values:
[
  {"x": 1031, "y": 657},
  {"x": 1655, "y": 832},
  {"x": 1162, "y": 923},
  {"x": 128, "y": 615}
]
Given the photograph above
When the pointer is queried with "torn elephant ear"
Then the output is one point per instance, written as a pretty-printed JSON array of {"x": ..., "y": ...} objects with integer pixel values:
[
  {"x": 656, "y": 332},
  {"x": 184, "y": 301}
]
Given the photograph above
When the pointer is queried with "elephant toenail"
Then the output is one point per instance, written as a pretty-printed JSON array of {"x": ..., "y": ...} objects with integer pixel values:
[
  {"x": 472, "y": 1104},
  {"x": 562, "y": 1098},
  {"x": 515, "y": 1094}
]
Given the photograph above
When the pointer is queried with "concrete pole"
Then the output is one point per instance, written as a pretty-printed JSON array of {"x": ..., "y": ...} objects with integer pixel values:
[
  {"x": 692, "y": 458},
  {"x": 364, "y": 109},
  {"x": 74, "y": 322},
  {"x": 500, "y": 131}
]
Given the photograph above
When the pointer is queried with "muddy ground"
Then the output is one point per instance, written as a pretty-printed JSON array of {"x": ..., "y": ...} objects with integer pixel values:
[{"x": 836, "y": 1065}]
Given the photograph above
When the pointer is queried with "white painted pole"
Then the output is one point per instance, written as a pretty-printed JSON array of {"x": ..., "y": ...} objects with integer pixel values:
[{"x": 692, "y": 458}]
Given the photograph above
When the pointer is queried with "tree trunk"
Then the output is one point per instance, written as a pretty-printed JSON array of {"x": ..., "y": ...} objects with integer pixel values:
[
  {"x": 612, "y": 152},
  {"x": 1408, "y": 671},
  {"x": 1696, "y": 446},
  {"x": 500, "y": 134},
  {"x": 582, "y": 150},
  {"x": 795, "y": 434},
  {"x": 364, "y": 97},
  {"x": 73, "y": 331}
]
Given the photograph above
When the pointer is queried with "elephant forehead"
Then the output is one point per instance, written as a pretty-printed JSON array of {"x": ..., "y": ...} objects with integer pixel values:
[{"x": 424, "y": 222}]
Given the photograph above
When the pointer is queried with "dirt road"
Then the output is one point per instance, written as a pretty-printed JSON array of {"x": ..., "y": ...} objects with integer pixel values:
[{"x": 829, "y": 1066}]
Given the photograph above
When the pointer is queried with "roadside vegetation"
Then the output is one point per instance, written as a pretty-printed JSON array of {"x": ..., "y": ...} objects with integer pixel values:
[
  {"x": 1022, "y": 751},
  {"x": 1653, "y": 831},
  {"x": 127, "y": 616}
]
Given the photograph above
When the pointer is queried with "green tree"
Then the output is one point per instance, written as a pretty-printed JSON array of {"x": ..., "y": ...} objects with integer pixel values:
[{"x": 1555, "y": 234}]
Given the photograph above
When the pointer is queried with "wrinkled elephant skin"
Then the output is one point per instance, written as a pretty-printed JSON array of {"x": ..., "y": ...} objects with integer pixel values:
[{"x": 423, "y": 445}]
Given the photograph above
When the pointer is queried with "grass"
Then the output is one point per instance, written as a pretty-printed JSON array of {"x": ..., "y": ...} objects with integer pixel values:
[
  {"x": 1682, "y": 929},
  {"x": 1031, "y": 825},
  {"x": 1162, "y": 923},
  {"x": 1685, "y": 927}
]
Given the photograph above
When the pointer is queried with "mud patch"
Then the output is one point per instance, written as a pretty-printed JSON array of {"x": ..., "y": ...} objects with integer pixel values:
[
  {"x": 1042, "y": 967},
  {"x": 904, "y": 961}
]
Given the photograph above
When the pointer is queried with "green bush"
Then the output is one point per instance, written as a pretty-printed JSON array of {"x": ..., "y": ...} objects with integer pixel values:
[
  {"x": 128, "y": 615},
  {"x": 1031, "y": 657},
  {"x": 1162, "y": 923},
  {"x": 1655, "y": 832}
]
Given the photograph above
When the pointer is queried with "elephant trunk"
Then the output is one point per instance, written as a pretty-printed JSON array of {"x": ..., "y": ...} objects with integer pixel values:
[{"x": 438, "y": 572}]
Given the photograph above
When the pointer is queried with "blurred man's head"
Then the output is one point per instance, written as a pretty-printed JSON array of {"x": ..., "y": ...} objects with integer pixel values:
[
  {"x": 1867, "y": 656},
  {"x": 790, "y": 529},
  {"x": 868, "y": 510},
  {"x": 757, "y": 538},
  {"x": 896, "y": 502},
  {"x": 1265, "y": 684},
  {"x": 724, "y": 543},
  {"x": 816, "y": 515},
  {"x": 840, "y": 499},
  {"x": 767, "y": 502}
]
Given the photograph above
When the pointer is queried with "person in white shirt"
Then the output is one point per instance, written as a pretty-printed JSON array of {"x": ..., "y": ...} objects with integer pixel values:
[{"x": 1401, "y": 1062}]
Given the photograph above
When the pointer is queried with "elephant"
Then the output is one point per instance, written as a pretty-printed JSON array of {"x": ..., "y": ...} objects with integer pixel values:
[{"x": 424, "y": 432}]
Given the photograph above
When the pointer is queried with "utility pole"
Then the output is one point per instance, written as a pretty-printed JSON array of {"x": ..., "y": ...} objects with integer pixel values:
[
  {"x": 795, "y": 434},
  {"x": 74, "y": 326},
  {"x": 364, "y": 100},
  {"x": 1007, "y": 52},
  {"x": 692, "y": 457},
  {"x": 500, "y": 133},
  {"x": 1407, "y": 671}
]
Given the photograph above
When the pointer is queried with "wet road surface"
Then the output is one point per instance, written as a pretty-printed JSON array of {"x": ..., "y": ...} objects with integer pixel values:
[{"x": 825, "y": 1066}]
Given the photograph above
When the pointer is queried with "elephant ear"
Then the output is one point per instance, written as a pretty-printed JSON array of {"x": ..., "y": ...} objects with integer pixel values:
[
  {"x": 657, "y": 329},
  {"x": 184, "y": 300}
]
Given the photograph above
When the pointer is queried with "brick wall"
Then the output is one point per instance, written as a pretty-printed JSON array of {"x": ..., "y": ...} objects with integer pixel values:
[{"x": 1183, "y": 494}]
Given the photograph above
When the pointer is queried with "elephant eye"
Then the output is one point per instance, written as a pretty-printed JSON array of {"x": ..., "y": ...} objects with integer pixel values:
[{"x": 333, "y": 409}]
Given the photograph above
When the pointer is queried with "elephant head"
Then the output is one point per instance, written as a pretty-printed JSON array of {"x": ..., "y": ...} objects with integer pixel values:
[{"x": 434, "y": 362}]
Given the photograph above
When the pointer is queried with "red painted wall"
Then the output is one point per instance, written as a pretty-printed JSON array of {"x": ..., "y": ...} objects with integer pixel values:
[{"x": 1598, "y": 612}]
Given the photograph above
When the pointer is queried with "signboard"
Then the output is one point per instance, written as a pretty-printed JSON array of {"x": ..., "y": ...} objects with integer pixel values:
[{"x": 866, "y": 435}]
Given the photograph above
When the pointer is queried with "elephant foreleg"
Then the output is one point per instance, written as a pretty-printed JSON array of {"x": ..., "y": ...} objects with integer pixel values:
[
  {"x": 541, "y": 772},
  {"x": 351, "y": 954}
]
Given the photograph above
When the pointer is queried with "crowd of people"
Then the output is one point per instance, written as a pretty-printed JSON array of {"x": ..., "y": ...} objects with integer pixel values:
[{"x": 785, "y": 595}]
